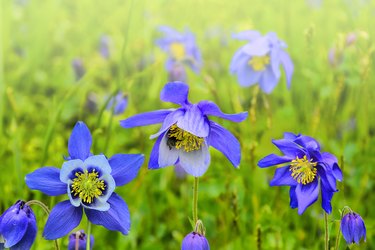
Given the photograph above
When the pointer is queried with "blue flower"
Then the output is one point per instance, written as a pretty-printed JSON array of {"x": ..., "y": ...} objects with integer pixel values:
[
  {"x": 180, "y": 48},
  {"x": 118, "y": 103},
  {"x": 186, "y": 132},
  {"x": 353, "y": 228},
  {"x": 90, "y": 181},
  {"x": 177, "y": 73},
  {"x": 104, "y": 44},
  {"x": 79, "y": 239},
  {"x": 18, "y": 227},
  {"x": 78, "y": 68},
  {"x": 307, "y": 171},
  {"x": 195, "y": 241},
  {"x": 259, "y": 60}
]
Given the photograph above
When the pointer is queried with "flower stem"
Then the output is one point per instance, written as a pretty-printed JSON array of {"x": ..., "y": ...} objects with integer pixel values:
[
  {"x": 326, "y": 231},
  {"x": 195, "y": 200},
  {"x": 46, "y": 210},
  {"x": 88, "y": 235},
  {"x": 337, "y": 239}
]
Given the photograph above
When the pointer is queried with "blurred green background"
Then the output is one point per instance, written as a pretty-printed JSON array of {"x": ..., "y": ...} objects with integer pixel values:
[{"x": 41, "y": 100}]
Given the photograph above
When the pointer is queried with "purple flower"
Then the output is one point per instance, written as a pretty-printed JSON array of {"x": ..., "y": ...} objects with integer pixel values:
[
  {"x": 90, "y": 181},
  {"x": 186, "y": 132},
  {"x": 177, "y": 73},
  {"x": 104, "y": 44},
  {"x": 353, "y": 228},
  {"x": 118, "y": 103},
  {"x": 78, "y": 68},
  {"x": 259, "y": 60},
  {"x": 79, "y": 239},
  {"x": 18, "y": 227},
  {"x": 180, "y": 47},
  {"x": 195, "y": 241},
  {"x": 307, "y": 171}
]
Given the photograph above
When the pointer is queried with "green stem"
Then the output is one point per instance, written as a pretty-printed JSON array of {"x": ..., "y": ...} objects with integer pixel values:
[
  {"x": 46, "y": 210},
  {"x": 88, "y": 235},
  {"x": 326, "y": 231},
  {"x": 338, "y": 239},
  {"x": 195, "y": 200}
]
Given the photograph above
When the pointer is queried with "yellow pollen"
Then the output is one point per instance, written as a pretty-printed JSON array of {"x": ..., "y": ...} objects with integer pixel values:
[
  {"x": 179, "y": 138},
  {"x": 303, "y": 170},
  {"x": 177, "y": 51},
  {"x": 259, "y": 63},
  {"x": 87, "y": 186}
]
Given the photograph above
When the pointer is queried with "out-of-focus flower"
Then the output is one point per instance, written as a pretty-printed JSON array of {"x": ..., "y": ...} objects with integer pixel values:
[
  {"x": 77, "y": 241},
  {"x": 353, "y": 228},
  {"x": 118, "y": 103},
  {"x": 259, "y": 60},
  {"x": 18, "y": 227},
  {"x": 177, "y": 73},
  {"x": 104, "y": 46},
  {"x": 181, "y": 48},
  {"x": 187, "y": 132},
  {"x": 179, "y": 171},
  {"x": 351, "y": 38},
  {"x": 195, "y": 241},
  {"x": 307, "y": 171},
  {"x": 78, "y": 68},
  {"x": 90, "y": 181}
]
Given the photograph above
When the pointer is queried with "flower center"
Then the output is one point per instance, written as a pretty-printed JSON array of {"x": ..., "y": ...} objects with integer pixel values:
[
  {"x": 303, "y": 170},
  {"x": 177, "y": 50},
  {"x": 259, "y": 63},
  {"x": 179, "y": 138},
  {"x": 87, "y": 186}
]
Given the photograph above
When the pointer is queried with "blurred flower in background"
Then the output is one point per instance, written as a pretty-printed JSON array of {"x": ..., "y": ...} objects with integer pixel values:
[
  {"x": 118, "y": 103},
  {"x": 195, "y": 241},
  {"x": 181, "y": 48},
  {"x": 186, "y": 132},
  {"x": 177, "y": 73},
  {"x": 78, "y": 68},
  {"x": 104, "y": 46},
  {"x": 307, "y": 171},
  {"x": 336, "y": 54},
  {"x": 259, "y": 60},
  {"x": 17, "y": 227},
  {"x": 77, "y": 241},
  {"x": 353, "y": 228}
]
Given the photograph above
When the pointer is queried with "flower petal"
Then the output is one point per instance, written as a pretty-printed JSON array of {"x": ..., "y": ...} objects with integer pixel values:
[
  {"x": 80, "y": 141},
  {"x": 306, "y": 195},
  {"x": 289, "y": 148},
  {"x": 210, "y": 108},
  {"x": 147, "y": 118},
  {"x": 29, "y": 236},
  {"x": 248, "y": 35},
  {"x": 326, "y": 199},
  {"x": 258, "y": 47},
  {"x": 346, "y": 229},
  {"x": 194, "y": 122},
  {"x": 275, "y": 61},
  {"x": 125, "y": 167},
  {"x": 98, "y": 162},
  {"x": 67, "y": 169},
  {"x": 268, "y": 81},
  {"x": 331, "y": 161},
  {"x": 168, "y": 156},
  {"x": 283, "y": 177},
  {"x": 239, "y": 58},
  {"x": 46, "y": 180},
  {"x": 307, "y": 142},
  {"x": 246, "y": 76},
  {"x": 63, "y": 218},
  {"x": 169, "y": 120},
  {"x": 195, "y": 162},
  {"x": 175, "y": 92},
  {"x": 272, "y": 160},
  {"x": 288, "y": 65},
  {"x": 293, "y": 197},
  {"x": 225, "y": 142},
  {"x": 13, "y": 226},
  {"x": 116, "y": 218},
  {"x": 153, "y": 163}
]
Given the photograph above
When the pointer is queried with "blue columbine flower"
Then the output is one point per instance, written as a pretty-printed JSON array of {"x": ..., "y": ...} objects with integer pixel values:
[
  {"x": 118, "y": 103},
  {"x": 259, "y": 60},
  {"x": 195, "y": 241},
  {"x": 187, "y": 132},
  {"x": 180, "y": 47},
  {"x": 353, "y": 228},
  {"x": 79, "y": 239},
  {"x": 17, "y": 227},
  {"x": 90, "y": 181},
  {"x": 104, "y": 45},
  {"x": 307, "y": 171}
]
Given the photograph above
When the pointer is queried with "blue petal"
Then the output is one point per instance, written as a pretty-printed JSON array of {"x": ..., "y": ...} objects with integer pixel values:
[
  {"x": 293, "y": 197},
  {"x": 326, "y": 199},
  {"x": 46, "y": 180},
  {"x": 154, "y": 156},
  {"x": 194, "y": 122},
  {"x": 80, "y": 141},
  {"x": 239, "y": 58},
  {"x": 175, "y": 92},
  {"x": 346, "y": 228},
  {"x": 275, "y": 61},
  {"x": 225, "y": 142},
  {"x": 167, "y": 156},
  {"x": 246, "y": 76},
  {"x": 331, "y": 162},
  {"x": 268, "y": 81},
  {"x": 283, "y": 177},
  {"x": 289, "y": 148},
  {"x": 327, "y": 179},
  {"x": 13, "y": 225},
  {"x": 116, "y": 218},
  {"x": 195, "y": 162},
  {"x": 147, "y": 118},
  {"x": 306, "y": 195},
  {"x": 248, "y": 35},
  {"x": 290, "y": 136},
  {"x": 63, "y": 218},
  {"x": 272, "y": 160},
  {"x": 169, "y": 120},
  {"x": 307, "y": 142},
  {"x": 210, "y": 108},
  {"x": 288, "y": 65},
  {"x": 360, "y": 229},
  {"x": 67, "y": 169},
  {"x": 258, "y": 47},
  {"x": 29, "y": 236},
  {"x": 125, "y": 167}
]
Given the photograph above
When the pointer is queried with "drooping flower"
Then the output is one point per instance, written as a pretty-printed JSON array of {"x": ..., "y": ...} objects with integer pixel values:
[
  {"x": 186, "y": 132},
  {"x": 353, "y": 228},
  {"x": 307, "y": 171},
  {"x": 195, "y": 241},
  {"x": 181, "y": 48},
  {"x": 259, "y": 60},
  {"x": 77, "y": 241},
  {"x": 90, "y": 181},
  {"x": 78, "y": 68},
  {"x": 18, "y": 227},
  {"x": 118, "y": 103}
]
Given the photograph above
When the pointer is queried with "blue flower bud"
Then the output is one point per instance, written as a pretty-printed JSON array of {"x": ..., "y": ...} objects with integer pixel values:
[
  {"x": 195, "y": 241},
  {"x": 353, "y": 228},
  {"x": 79, "y": 239}
]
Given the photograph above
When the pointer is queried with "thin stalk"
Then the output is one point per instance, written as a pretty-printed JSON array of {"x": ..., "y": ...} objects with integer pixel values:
[
  {"x": 195, "y": 200},
  {"x": 88, "y": 236},
  {"x": 326, "y": 231},
  {"x": 338, "y": 239}
]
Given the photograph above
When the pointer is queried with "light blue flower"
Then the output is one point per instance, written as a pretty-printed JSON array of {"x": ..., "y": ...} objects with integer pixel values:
[{"x": 118, "y": 103}]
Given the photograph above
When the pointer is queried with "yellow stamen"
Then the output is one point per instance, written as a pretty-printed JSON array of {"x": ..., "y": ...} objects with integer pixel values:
[
  {"x": 177, "y": 50},
  {"x": 303, "y": 170},
  {"x": 259, "y": 63},
  {"x": 179, "y": 138},
  {"x": 87, "y": 186}
]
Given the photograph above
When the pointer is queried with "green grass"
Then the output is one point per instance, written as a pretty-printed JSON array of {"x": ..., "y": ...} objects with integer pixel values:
[{"x": 40, "y": 102}]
